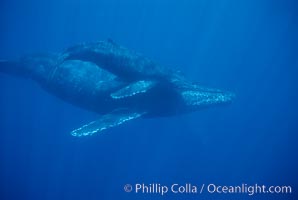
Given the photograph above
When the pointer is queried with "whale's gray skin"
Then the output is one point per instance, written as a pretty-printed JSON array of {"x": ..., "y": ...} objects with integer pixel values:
[{"x": 115, "y": 82}]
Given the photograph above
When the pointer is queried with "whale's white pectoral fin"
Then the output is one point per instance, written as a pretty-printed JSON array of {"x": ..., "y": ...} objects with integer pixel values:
[
  {"x": 105, "y": 122},
  {"x": 133, "y": 89}
]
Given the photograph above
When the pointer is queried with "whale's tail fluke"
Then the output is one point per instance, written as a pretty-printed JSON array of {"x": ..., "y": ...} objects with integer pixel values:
[{"x": 14, "y": 68}]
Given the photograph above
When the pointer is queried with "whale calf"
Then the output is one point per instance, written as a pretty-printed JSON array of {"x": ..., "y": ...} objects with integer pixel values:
[{"x": 115, "y": 82}]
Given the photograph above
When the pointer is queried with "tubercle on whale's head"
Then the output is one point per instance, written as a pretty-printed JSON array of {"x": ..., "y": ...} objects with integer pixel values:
[{"x": 197, "y": 98}]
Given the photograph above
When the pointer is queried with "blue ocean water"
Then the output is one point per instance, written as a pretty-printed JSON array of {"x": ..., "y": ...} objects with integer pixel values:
[{"x": 247, "y": 47}]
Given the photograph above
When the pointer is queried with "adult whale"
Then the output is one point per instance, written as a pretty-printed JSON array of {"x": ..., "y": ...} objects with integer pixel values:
[{"x": 115, "y": 82}]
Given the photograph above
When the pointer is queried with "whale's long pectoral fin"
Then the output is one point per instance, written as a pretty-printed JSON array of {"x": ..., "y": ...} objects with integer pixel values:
[
  {"x": 105, "y": 122},
  {"x": 133, "y": 89}
]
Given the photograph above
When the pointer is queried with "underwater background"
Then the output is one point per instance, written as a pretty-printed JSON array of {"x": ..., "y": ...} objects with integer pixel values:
[{"x": 249, "y": 47}]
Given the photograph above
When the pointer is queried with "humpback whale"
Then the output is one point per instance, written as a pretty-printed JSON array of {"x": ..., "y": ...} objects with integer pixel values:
[{"x": 115, "y": 82}]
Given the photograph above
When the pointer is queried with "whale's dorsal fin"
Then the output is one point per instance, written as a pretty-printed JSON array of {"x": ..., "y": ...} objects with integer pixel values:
[
  {"x": 106, "y": 121},
  {"x": 134, "y": 89}
]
